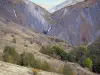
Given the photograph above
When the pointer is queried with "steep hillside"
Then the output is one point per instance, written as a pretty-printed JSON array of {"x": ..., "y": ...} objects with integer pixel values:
[
  {"x": 29, "y": 41},
  {"x": 64, "y": 4},
  {"x": 24, "y": 39},
  {"x": 20, "y": 21},
  {"x": 10, "y": 69},
  {"x": 25, "y": 13},
  {"x": 79, "y": 23}
]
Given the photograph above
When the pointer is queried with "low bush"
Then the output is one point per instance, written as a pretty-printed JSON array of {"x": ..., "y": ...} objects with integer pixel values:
[
  {"x": 46, "y": 67},
  {"x": 25, "y": 59},
  {"x": 28, "y": 59},
  {"x": 79, "y": 54},
  {"x": 10, "y": 55},
  {"x": 94, "y": 54},
  {"x": 60, "y": 70},
  {"x": 35, "y": 71},
  {"x": 47, "y": 50},
  {"x": 14, "y": 40},
  {"x": 88, "y": 63},
  {"x": 56, "y": 52},
  {"x": 26, "y": 45},
  {"x": 67, "y": 70}
]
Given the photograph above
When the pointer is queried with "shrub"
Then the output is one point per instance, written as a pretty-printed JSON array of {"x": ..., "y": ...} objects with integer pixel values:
[
  {"x": 59, "y": 51},
  {"x": 46, "y": 66},
  {"x": 67, "y": 70},
  {"x": 28, "y": 59},
  {"x": 26, "y": 45},
  {"x": 79, "y": 52},
  {"x": 25, "y": 59},
  {"x": 14, "y": 40},
  {"x": 71, "y": 57},
  {"x": 94, "y": 54},
  {"x": 55, "y": 51},
  {"x": 12, "y": 35},
  {"x": 10, "y": 55},
  {"x": 31, "y": 42},
  {"x": 74, "y": 73},
  {"x": 88, "y": 63},
  {"x": 60, "y": 70},
  {"x": 47, "y": 50},
  {"x": 35, "y": 71}
]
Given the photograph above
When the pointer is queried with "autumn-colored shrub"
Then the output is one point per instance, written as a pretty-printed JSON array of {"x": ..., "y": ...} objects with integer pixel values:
[{"x": 35, "y": 71}]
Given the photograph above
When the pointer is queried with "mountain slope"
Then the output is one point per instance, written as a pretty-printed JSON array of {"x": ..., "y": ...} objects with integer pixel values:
[
  {"x": 26, "y": 40},
  {"x": 25, "y": 13},
  {"x": 10, "y": 69},
  {"x": 79, "y": 23},
  {"x": 64, "y": 4},
  {"x": 24, "y": 36},
  {"x": 16, "y": 19}
]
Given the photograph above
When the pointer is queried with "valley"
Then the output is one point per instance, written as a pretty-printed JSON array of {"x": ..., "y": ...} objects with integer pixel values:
[{"x": 64, "y": 42}]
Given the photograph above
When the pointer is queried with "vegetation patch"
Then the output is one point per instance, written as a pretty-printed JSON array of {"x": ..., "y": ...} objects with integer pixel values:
[
  {"x": 94, "y": 55},
  {"x": 25, "y": 59},
  {"x": 67, "y": 70},
  {"x": 81, "y": 55},
  {"x": 55, "y": 51},
  {"x": 88, "y": 63},
  {"x": 86, "y": 57},
  {"x": 10, "y": 55},
  {"x": 46, "y": 66}
]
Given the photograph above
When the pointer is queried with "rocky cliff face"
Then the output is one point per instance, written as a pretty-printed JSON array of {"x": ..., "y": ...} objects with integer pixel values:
[
  {"x": 79, "y": 23},
  {"x": 25, "y": 13}
]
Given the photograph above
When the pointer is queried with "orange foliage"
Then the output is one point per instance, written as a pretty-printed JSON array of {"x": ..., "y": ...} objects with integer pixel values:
[{"x": 35, "y": 70}]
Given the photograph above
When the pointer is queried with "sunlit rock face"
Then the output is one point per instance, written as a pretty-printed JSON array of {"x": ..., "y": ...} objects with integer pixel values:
[
  {"x": 79, "y": 23},
  {"x": 25, "y": 13}
]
